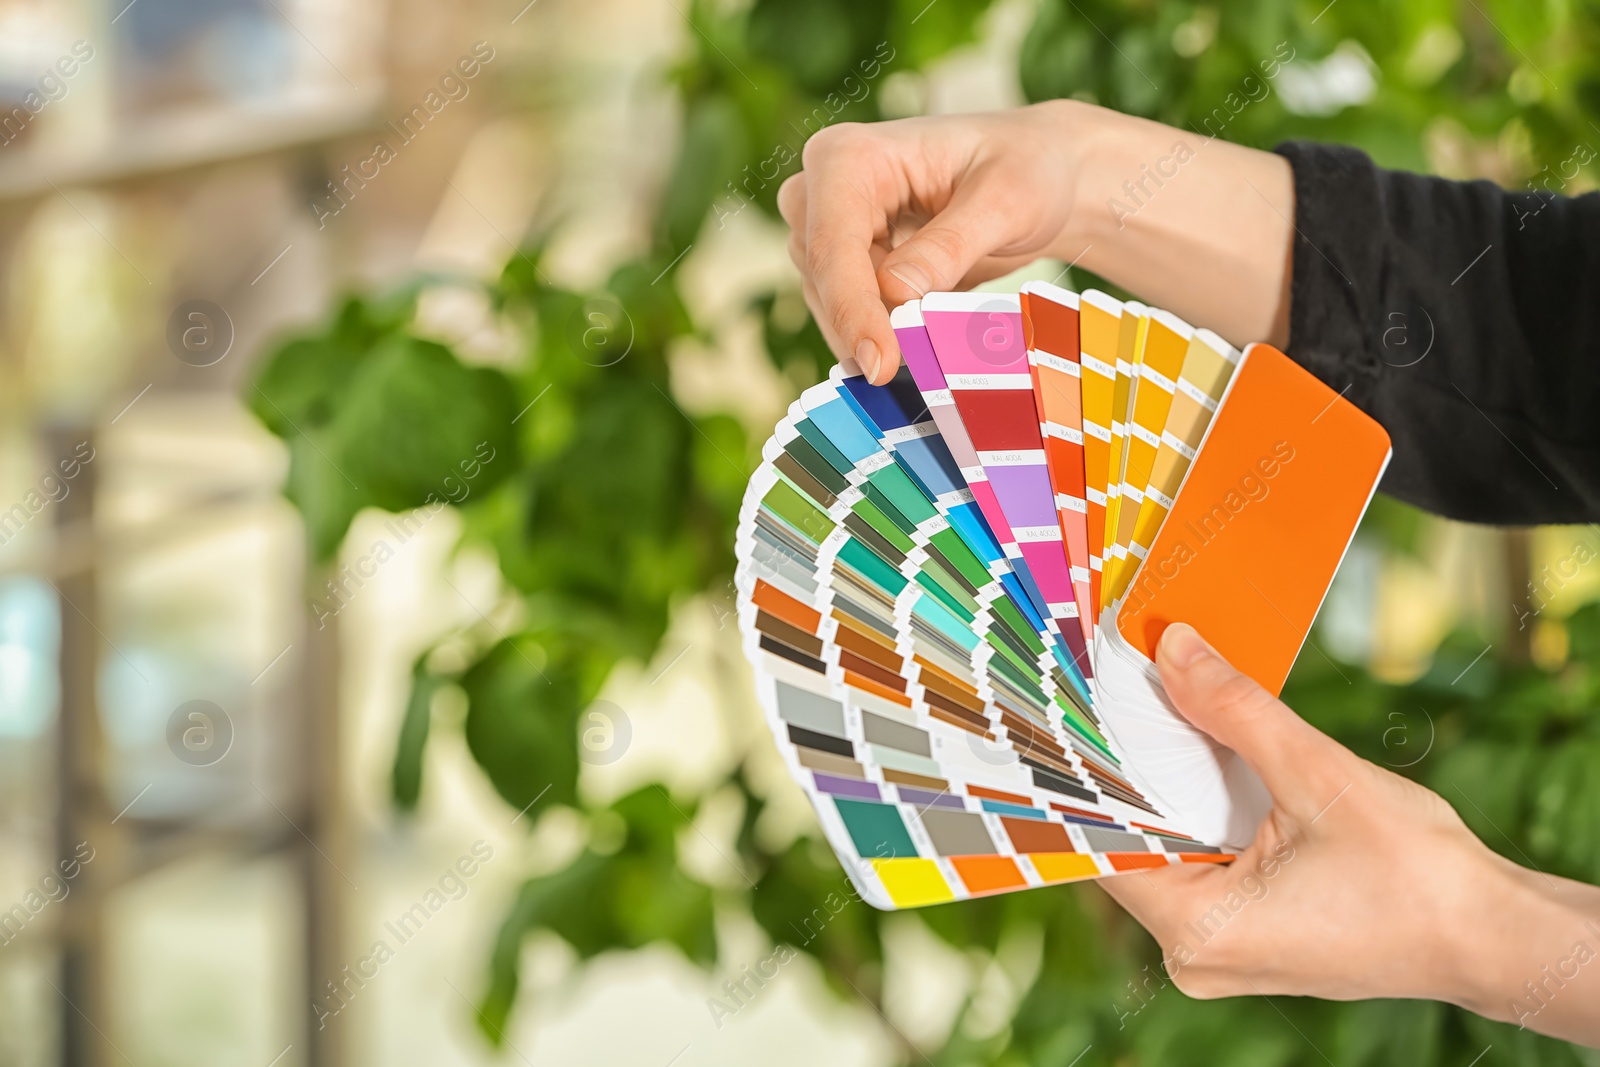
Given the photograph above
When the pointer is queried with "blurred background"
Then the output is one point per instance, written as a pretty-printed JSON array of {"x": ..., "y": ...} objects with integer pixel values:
[{"x": 380, "y": 381}]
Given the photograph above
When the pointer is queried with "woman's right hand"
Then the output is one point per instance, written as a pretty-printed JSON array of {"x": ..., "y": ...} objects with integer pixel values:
[{"x": 885, "y": 212}]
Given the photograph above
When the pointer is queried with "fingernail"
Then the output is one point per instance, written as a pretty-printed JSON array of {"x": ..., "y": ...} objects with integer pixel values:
[
  {"x": 868, "y": 357},
  {"x": 913, "y": 276},
  {"x": 1181, "y": 646}
]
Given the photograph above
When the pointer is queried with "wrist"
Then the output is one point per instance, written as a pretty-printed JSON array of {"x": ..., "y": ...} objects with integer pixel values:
[
  {"x": 1196, "y": 225},
  {"x": 1114, "y": 165},
  {"x": 1503, "y": 930},
  {"x": 1471, "y": 934},
  {"x": 1093, "y": 142}
]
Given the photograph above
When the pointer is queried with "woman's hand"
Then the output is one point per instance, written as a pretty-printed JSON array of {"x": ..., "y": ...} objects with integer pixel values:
[
  {"x": 1359, "y": 884},
  {"x": 885, "y": 212}
]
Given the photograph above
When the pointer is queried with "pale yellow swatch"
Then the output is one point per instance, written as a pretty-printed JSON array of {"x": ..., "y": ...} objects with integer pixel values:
[
  {"x": 1130, "y": 349},
  {"x": 1207, "y": 367},
  {"x": 1166, "y": 343}
]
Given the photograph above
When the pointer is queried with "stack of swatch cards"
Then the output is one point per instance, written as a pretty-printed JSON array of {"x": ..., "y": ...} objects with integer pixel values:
[{"x": 951, "y": 586}]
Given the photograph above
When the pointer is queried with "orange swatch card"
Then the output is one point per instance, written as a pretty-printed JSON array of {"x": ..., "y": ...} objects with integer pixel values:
[{"x": 1262, "y": 520}]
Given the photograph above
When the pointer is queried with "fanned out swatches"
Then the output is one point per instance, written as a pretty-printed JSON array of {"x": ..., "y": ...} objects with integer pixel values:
[{"x": 951, "y": 586}]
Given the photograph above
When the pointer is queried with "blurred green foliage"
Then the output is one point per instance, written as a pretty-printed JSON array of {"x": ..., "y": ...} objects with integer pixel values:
[{"x": 607, "y": 504}]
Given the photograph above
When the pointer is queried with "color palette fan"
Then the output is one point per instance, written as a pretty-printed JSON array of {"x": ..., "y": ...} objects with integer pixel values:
[{"x": 951, "y": 586}]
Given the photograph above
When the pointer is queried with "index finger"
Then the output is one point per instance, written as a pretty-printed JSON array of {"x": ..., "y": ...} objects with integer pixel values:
[
  {"x": 1162, "y": 898},
  {"x": 847, "y": 210}
]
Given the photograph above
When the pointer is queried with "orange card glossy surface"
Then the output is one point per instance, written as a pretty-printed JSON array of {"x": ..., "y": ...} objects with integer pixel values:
[{"x": 1262, "y": 521}]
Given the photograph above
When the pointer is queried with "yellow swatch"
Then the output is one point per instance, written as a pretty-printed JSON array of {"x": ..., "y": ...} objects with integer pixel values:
[
  {"x": 1165, "y": 345},
  {"x": 911, "y": 883},
  {"x": 1064, "y": 866},
  {"x": 1207, "y": 367},
  {"x": 1099, "y": 328},
  {"x": 1130, "y": 348}
]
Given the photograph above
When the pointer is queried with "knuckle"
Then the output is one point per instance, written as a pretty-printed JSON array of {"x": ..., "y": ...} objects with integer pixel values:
[
  {"x": 822, "y": 250},
  {"x": 839, "y": 139},
  {"x": 1240, "y": 697},
  {"x": 791, "y": 195},
  {"x": 839, "y": 317},
  {"x": 941, "y": 243}
]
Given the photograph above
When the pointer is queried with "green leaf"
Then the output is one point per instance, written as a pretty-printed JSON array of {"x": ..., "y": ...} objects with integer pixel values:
[
  {"x": 300, "y": 384},
  {"x": 709, "y": 159},
  {"x": 793, "y": 342},
  {"x": 922, "y": 32},
  {"x": 805, "y": 900},
  {"x": 1058, "y": 56},
  {"x": 1397, "y": 525},
  {"x": 417, "y": 426},
  {"x": 326, "y": 496},
  {"x": 406, "y": 778},
  {"x": 820, "y": 43},
  {"x": 719, "y": 465},
  {"x": 633, "y": 897},
  {"x": 1583, "y": 633},
  {"x": 521, "y": 723},
  {"x": 373, "y": 417},
  {"x": 1388, "y": 1031},
  {"x": 577, "y": 890},
  {"x": 608, "y": 523}
]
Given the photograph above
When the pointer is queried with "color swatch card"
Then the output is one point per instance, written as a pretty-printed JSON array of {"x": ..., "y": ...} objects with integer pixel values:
[{"x": 951, "y": 586}]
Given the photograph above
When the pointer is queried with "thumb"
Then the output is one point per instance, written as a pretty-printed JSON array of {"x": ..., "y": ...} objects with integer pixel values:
[
  {"x": 1303, "y": 768},
  {"x": 944, "y": 250}
]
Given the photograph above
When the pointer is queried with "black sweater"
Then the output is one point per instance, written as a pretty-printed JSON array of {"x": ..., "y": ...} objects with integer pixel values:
[{"x": 1466, "y": 320}]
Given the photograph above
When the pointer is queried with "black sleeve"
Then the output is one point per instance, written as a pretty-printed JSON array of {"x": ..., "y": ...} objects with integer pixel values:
[{"x": 1466, "y": 320}]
